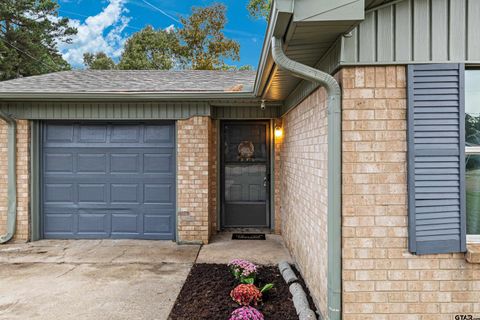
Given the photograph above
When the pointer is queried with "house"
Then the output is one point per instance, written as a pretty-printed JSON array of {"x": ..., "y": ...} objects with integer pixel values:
[{"x": 355, "y": 140}]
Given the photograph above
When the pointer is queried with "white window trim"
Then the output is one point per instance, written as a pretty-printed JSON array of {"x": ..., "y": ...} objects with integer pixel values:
[
  {"x": 472, "y": 150},
  {"x": 472, "y": 238}
]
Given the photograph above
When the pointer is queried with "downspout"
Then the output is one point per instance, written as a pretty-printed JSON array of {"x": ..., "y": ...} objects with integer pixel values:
[
  {"x": 334, "y": 168},
  {"x": 12, "y": 178}
]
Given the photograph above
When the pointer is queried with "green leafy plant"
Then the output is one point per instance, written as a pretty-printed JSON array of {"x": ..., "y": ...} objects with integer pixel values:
[
  {"x": 243, "y": 270},
  {"x": 266, "y": 287}
]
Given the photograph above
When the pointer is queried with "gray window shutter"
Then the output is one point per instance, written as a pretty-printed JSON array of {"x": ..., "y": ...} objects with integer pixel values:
[{"x": 436, "y": 158}]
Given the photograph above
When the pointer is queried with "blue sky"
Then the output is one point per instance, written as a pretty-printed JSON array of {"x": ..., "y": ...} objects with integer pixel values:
[{"x": 105, "y": 25}]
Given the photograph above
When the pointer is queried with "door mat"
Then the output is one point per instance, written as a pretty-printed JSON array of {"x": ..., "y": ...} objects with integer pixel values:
[{"x": 248, "y": 236}]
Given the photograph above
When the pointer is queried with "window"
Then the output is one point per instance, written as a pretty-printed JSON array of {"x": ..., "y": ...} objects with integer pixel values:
[{"x": 472, "y": 153}]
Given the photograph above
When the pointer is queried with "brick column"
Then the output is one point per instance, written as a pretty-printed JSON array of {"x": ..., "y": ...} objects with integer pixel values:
[
  {"x": 195, "y": 175},
  {"x": 23, "y": 191}
]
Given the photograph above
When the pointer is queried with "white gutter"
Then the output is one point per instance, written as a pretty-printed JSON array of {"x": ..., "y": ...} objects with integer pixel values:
[
  {"x": 334, "y": 169},
  {"x": 12, "y": 178}
]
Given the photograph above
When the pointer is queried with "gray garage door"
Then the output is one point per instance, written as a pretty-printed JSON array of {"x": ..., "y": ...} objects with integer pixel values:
[{"x": 108, "y": 180}]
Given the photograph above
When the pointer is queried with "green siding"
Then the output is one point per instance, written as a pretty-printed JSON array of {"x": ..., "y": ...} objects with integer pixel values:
[
  {"x": 57, "y": 110},
  {"x": 404, "y": 32},
  {"x": 252, "y": 112},
  {"x": 416, "y": 31}
]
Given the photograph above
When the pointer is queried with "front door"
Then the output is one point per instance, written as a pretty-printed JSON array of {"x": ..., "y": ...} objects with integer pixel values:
[{"x": 245, "y": 174}]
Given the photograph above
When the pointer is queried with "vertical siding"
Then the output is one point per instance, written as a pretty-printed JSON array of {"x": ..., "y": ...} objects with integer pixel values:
[
  {"x": 56, "y": 110},
  {"x": 367, "y": 43},
  {"x": 440, "y": 30},
  {"x": 421, "y": 30},
  {"x": 418, "y": 31},
  {"x": 473, "y": 26},
  {"x": 385, "y": 43},
  {"x": 252, "y": 112},
  {"x": 402, "y": 26}
]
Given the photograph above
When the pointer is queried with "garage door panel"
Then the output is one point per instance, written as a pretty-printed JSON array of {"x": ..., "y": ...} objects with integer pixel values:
[
  {"x": 109, "y": 181},
  {"x": 91, "y": 163},
  {"x": 125, "y": 133},
  {"x": 163, "y": 134},
  {"x": 94, "y": 223},
  {"x": 59, "y": 222},
  {"x": 92, "y": 133},
  {"x": 158, "y": 163},
  {"x": 158, "y": 224},
  {"x": 158, "y": 193},
  {"x": 125, "y": 223},
  {"x": 92, "y": 193},
  {"x": 60, "y": 162},
  {"x": 59, "y": 133},
  {"x": 125, "y": 193},
  {"x": 125, "y": 163},
  {"x": 59, "y": 192}
]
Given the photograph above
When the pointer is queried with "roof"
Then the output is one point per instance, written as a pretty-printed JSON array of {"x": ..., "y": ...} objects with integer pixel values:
[
  {"x": 311, "y": 32},
  {"x": 133, "y": 81}
]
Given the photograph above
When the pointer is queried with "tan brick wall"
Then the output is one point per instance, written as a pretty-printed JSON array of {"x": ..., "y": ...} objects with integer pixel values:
[
  {"x": 303, "y": 191},
  {"x": 194, "y": 183},
  {"x": 212, "y": 176},
  {"x": 23, "y": 191},
  {"x": 381, "y": 279}
]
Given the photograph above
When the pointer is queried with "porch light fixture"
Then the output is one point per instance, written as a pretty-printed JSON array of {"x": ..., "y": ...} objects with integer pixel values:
[{"x": 278, "y": 132}]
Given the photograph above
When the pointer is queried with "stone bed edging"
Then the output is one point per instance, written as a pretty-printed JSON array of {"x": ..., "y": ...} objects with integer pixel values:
[{"x": 300, "y": 300}]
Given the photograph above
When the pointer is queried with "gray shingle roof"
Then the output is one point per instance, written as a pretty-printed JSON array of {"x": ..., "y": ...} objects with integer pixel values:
[{"x": 150, "y": 81}]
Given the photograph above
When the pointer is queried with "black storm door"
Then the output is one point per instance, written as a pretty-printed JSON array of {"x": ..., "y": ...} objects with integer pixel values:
[{"x": 245, "y": 174}]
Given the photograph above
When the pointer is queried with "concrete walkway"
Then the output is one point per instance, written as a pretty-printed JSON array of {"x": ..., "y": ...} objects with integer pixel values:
[
  {"x": 92, "y": 279},
  {"x": 223, "y": 249},
  {"x": 111, "y": 279}
]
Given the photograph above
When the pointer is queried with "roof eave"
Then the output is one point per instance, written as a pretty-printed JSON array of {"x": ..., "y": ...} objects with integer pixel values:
[
  {"x": 285, "y": 18},
  {"x": 280, "y": 16},
  {"x": 124, "y": 96}
]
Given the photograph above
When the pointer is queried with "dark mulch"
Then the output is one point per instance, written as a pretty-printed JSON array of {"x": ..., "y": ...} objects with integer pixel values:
[{"x": 206, "y": 295}]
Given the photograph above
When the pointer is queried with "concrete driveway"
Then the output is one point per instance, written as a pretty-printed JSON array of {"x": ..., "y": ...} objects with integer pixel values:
[{"x": 92, "y": 279}]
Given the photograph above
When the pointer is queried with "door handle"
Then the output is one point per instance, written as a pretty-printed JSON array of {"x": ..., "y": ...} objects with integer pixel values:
[{"x": 265, "y": 180}]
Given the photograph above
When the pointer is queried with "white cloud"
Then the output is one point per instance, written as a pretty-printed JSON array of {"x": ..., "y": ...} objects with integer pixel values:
[
  {"x": 102, "y": 32},
  {"x": 170, "y": 28}
]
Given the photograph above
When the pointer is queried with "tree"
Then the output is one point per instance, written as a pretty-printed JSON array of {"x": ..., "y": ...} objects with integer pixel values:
[
  {"x": 259, "y": 8},
  {"x": 29, "y": 33},
  {"x": 150, "y": 49},
  {"x": 203, "y": 44},
  {"x": 245, "y": 67},
  {"x": 98, "y": 61}
]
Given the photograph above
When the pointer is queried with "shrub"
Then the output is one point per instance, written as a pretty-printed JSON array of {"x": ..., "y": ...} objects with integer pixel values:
[
  {"x": 246, "y": 294},
  {"x": 243, "y": 270},
  {"x": 246, "y": 313}
]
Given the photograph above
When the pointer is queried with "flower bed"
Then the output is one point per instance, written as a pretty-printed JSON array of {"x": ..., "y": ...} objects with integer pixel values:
[{"x": 208, "y": 293}]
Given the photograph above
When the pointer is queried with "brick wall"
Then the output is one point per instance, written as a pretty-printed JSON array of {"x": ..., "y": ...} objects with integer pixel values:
[
  {"x": 212, "y": 161},
  {"x": 194, "y": 179},
  {"x": 303, "y": 191},
  {"x": 381, "y": 279},
  {"x": 23, "y": 192}
]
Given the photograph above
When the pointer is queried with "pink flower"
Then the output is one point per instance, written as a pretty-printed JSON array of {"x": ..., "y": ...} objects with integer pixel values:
[
  {"x": 246, "y": 313},
  {"x": 243, "y": 268}
]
